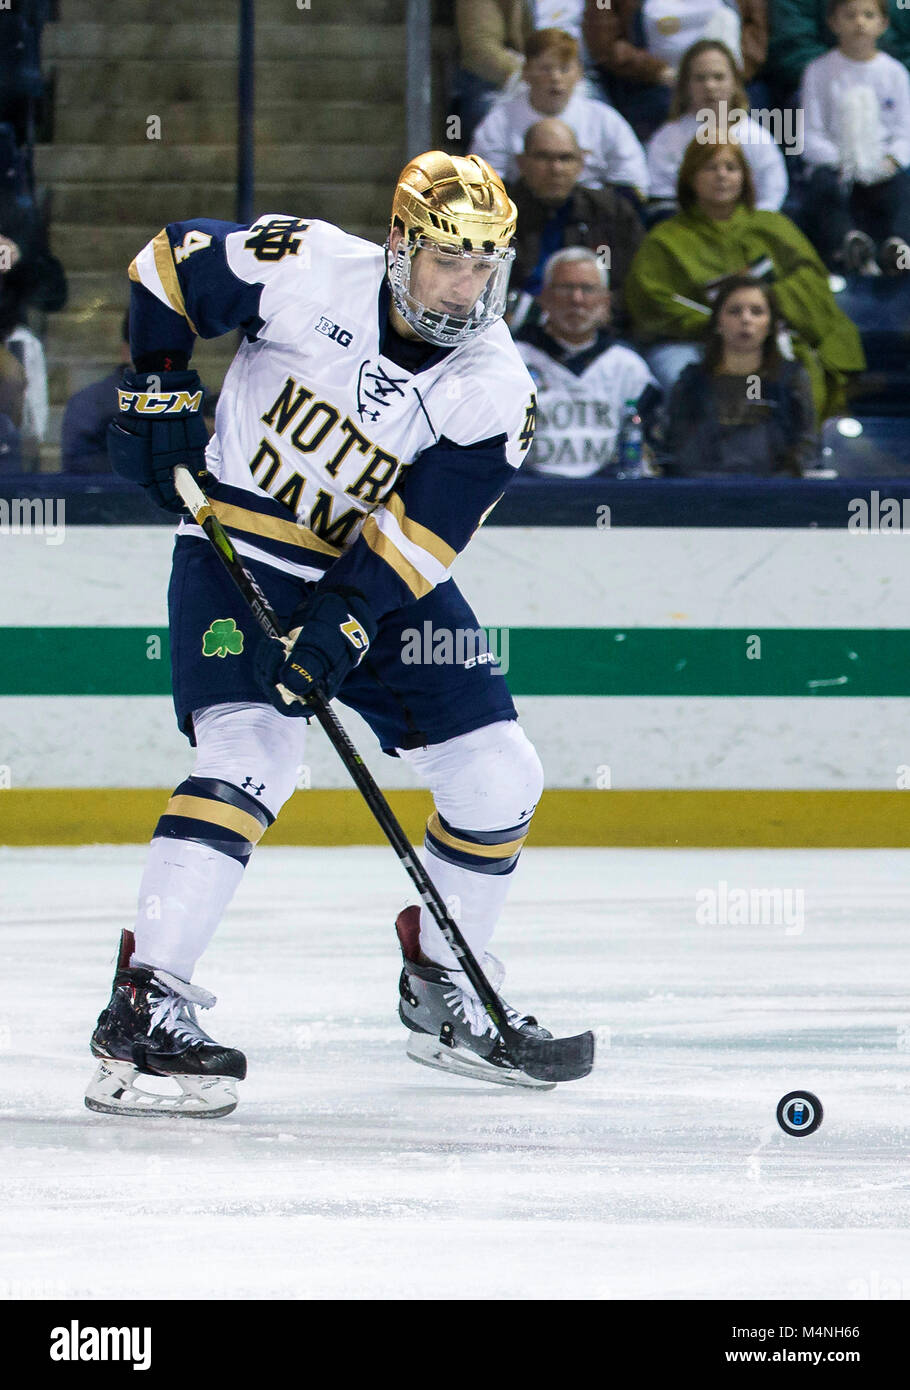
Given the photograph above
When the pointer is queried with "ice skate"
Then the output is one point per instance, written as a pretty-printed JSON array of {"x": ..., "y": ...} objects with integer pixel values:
[
  {"x": 449, "y": 1027},
  {"x": 149, "y": 1029}
]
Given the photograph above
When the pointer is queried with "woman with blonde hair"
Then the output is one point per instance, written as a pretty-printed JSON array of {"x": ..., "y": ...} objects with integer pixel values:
[
  {"x": 709, "y": 96},
  {"x": 719, "y": 232}
]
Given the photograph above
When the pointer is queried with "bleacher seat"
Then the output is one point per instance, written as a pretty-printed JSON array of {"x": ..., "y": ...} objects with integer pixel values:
[
  {"x": 877, "y": 446},
  {"x": 880, "y": 308}
]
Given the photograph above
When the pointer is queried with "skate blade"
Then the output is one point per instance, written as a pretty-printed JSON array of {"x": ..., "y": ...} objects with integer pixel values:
[
  {"x": 430, "y": 1052},
  {"x": 112, "y": 1091}
]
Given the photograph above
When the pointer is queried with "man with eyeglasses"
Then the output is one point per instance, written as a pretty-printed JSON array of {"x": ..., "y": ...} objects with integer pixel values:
[
  {"x": 555, "y": 210},
  {"x": 584, "y": 376}
]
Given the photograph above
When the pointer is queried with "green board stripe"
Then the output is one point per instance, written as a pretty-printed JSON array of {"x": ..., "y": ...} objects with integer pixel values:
[{"x": 540, "y": 661}]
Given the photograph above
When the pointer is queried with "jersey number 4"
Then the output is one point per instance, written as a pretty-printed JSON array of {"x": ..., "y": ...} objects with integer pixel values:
[{"x": 193, "y": 241}]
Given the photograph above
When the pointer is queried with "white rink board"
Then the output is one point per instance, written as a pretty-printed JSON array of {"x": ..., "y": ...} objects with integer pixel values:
[
  {"x": 841, "y": 743},
  {"x": 108, "y": 576},
  {"x": 549, "y": 577}
]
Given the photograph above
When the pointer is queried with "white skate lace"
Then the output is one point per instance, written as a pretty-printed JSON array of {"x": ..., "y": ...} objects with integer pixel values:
[
  {"x": 462, "y": 1000},
  {"x": 174, "y": 1011}
]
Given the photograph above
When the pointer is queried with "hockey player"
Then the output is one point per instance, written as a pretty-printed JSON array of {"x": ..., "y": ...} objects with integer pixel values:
[{"x": 375, "y": 411}]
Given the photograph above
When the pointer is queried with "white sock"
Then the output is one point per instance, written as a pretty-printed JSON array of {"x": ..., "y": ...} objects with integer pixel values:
[
  {"x": 486, "y": 780},
  {"x": 183, "y": 895},
  {"x": 474, "y": 900}
]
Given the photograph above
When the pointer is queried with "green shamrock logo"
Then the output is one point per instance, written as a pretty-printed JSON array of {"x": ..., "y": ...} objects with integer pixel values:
[{"x": 221, "y": 638}]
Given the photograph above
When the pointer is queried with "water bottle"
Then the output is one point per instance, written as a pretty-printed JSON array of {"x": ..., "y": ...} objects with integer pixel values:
[{"x": 631, "y": 443}]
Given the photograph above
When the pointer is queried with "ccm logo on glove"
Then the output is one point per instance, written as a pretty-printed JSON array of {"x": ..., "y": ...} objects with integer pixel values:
[
  {"x": 161, "y": 403},
  {"x": 159, "y": 424}
]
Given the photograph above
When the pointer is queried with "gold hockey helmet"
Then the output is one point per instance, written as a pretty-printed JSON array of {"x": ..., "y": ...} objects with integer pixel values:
[
  {"x": 456, "y": 199},
  {"x": 456, "y": 205}
]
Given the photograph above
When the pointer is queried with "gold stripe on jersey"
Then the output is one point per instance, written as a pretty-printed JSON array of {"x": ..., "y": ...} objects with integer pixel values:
[
  {"x": 167, "y": 274},
  {"x": 217, "y": 813},
  {"x": 272, "y": 527},
  {"x": 504, "y": 851},
  {"x": 420, "y": 535},
  {"x": 388, "y": 551}
]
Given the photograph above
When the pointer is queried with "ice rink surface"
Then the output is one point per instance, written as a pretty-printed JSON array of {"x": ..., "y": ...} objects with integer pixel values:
[{"x": 348, "y": 1171}]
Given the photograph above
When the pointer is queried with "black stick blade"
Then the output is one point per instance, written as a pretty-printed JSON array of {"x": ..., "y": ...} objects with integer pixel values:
[{"x": 552, "y": 1059}]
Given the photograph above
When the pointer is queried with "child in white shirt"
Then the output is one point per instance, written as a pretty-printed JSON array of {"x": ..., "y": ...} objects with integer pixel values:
[
  {"x": 553, "y": 73},
  {"x": 856, "y": 102}
]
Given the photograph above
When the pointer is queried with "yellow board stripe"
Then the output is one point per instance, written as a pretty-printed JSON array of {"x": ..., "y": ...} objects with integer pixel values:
[
  {"x": 167, "y": 274},
  {"x": 217, "y": 813},
  {"x": 272, "y": 527},
  {"x": 504, "y": 851},
  {"x": 655, "y": 817},
  {"x": 420, "y": 535},
  {"x": 388, "y": 551}
]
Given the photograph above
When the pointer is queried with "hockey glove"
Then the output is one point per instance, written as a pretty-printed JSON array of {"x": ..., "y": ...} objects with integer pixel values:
[
  {"x": 330, "y": 634},
  {"x": 159, "y": 424}
]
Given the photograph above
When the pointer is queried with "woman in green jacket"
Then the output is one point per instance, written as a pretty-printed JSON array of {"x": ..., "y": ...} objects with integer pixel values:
[{"x": 717, "y": 233}]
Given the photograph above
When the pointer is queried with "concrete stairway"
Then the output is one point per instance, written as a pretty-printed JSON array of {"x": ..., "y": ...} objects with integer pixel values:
[{"x": 329, "y": 139}]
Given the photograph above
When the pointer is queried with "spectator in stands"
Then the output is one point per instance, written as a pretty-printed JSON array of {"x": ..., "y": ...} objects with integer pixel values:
[
  {"x": 745, "y": 409},
  {"x": 21, "y": 85},
  {"x": 30, "y": 277},
  {"x": 709, "y": 93},
  {"x": 553, "y": 74},
  {"x": 10, "y": 446},
  {"x": 83, "y": 445},
  {"x": 856, "y": 101},
  {"x": 492, "y": 35},
  {"x": 12, "y": 394},
  {"x": 638, "y": 46},
  {"x": 584, "y": 376},
  {"x": 800, "y": 32},
  {"x": 718, "y": 233},
  {"x": 12, "y": 379},
  {"x": 83, "y": 439},
  {"x": 555, "y": 211}
]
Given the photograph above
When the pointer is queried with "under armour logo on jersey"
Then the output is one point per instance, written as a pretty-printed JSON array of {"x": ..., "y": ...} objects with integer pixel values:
[
  {"x": 378, "y": 387},
  {"x": 275, "y": 238},
  {"x": 250, "y": 785},
  {"x": 339, "y": 335}
]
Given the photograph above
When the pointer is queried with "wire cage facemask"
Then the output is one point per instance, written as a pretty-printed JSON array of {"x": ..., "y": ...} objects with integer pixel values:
[{"x": 437, "y": 325}]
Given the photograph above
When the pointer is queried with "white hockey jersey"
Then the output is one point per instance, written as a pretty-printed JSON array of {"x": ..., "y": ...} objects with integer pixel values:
[{"x": 323, "y": 447}]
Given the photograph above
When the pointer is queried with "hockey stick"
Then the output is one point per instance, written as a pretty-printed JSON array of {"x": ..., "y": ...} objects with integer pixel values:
[{"x": 546, "y": 1059}]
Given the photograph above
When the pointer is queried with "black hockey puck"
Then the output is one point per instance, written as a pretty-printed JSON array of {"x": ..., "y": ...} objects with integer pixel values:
[{"x": 799, "y": 1113}]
